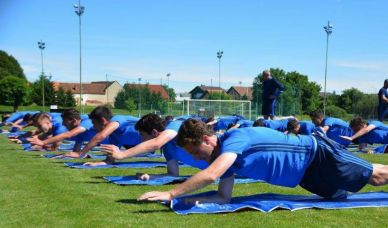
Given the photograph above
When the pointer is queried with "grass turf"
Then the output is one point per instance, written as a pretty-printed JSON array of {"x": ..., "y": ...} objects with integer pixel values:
[{"x": 36, "y": 191}]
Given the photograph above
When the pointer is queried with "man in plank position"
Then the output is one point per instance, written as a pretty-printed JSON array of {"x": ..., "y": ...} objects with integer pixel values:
[{"x": 316, "y": 163}]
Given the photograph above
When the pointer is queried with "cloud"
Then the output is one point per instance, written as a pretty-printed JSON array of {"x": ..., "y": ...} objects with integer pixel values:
[{"x": 380, "y": 66}]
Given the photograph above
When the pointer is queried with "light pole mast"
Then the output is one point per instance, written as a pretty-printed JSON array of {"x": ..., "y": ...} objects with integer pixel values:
[
  {"x": 219, "y": 56},
  {"x": 42, "y": 45},
  {"x": 79, "y": 10},
  {"x": 139, "y": 98},
  {"x": 329, "y": 29},
  {"x": 168, "y": 88}
]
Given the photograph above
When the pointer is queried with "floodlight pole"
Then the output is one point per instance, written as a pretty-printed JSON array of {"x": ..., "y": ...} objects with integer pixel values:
[
  {"x": 42, "y": 45},
  {"x": 139, "y": 98},
  {"x": 328, "y": 29},
  {"x": 168, "y": 88},
  {"x": 219, "y": 56},
  {"x": 79, "y": 10}
]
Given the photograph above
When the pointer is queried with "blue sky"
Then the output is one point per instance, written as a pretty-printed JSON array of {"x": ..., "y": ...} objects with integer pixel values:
[{"x": 128, "y": 39}]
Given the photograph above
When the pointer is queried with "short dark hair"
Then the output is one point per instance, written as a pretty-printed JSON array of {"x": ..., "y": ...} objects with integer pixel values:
[
  {"x": 357, "y": 122},
  {"x": 192, "y": 131},
  {"x": 292, "y": 124},
  {"x": 149, "y": 122},
  {"x": 101, "y": 112},
  {"x": 168, "y": 118},
  {"x": 385, "y": 81},
  {"x": 71, "y": 114},
  {"x": 317, "y": 114},
  {"x": 27, "y": 117},
  {"x": 259, "y": 123}
]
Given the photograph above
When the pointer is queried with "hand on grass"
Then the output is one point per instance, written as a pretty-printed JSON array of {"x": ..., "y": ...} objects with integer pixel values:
[
  {"x": 143, "y": 176},
  {"x": 35, "y": 141},
  {"x": 156, "y": 196}
]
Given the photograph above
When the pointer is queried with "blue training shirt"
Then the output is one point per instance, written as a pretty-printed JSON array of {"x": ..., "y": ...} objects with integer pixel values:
[
  {"x": 125, "y": 134},
  {"x": 278, "y": 125},
  {"x": 57, "y": 127},
  {"x": 17, "y": 116},
  {"x": 224, "y": 121},
  {"x": 268, "y": 155},
  {"x": 335, "y": 132},
  {"x": 377, "y": 135},
  {"x": 331, "y": 121},
  {"x": 172, "y": 151},
  {"x": 88, "y": 134},
  {"x": 306, "y": 127},
  {"x": 245, "y": 123}
]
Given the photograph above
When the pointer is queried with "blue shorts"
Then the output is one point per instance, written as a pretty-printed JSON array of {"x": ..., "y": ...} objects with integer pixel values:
[{"x": 334, "y": 171}]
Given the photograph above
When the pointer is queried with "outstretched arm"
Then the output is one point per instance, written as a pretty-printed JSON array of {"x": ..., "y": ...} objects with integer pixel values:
[
  {"x": 100, "y": 136},
  {"x": 199, "y": 180},
  {"x": 172, "y": 170},
  {"x": 360, "y": 133},
  {"x": 144, "y": 147},
  {"x": 58, "y": 138}
]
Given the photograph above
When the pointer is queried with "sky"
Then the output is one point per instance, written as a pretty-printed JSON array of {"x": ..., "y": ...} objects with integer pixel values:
[{"x": 124, "y": 40}]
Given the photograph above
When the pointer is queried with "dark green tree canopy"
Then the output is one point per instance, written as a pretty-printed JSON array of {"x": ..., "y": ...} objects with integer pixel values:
[
  {"x": 13, "y": 91},
  {"x": 9, "y": 66}
]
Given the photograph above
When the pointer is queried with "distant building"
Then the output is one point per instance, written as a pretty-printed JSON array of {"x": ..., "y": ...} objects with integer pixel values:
[
  {"x": 154, "y": 89},
  {"x": 93, "y": 93},
  {"x": 183, "y": 96},
  {"x": 202, "y": 92},
  {"x": 240, "y": 92}
]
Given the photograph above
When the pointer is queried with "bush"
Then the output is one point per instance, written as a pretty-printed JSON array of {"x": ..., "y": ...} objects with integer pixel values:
[{"x": 336, "y": 111}]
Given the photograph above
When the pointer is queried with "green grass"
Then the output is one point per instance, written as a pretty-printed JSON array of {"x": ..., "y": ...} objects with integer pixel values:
[{"x": 39, "y": 192}]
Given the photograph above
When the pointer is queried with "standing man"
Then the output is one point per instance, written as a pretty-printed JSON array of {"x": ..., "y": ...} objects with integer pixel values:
[
  {"x": 382, "y": 110},
  {"x": 272, "y": 88}
]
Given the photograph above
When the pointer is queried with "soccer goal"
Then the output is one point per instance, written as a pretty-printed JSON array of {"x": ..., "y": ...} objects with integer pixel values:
[{"x": 217, "y": 107}]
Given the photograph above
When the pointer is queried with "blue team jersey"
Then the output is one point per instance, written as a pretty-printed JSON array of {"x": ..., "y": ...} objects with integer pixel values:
[
  {"x": 268, "y": 155},
  {"x": 383, "y": 91},
  {"x": 331, "y": 122},
  {"x": 278, "y": 125},
  {"x": 306, "y": 128},
  {"x": 271, "y": 87},
  {"x": 88, "y": 134},
  {"x": 57, "y": 127},
  {"x": 335, "y": 132},
  {"x": 377, "y": 135},
  {"x": 17, "y": 116},
  {"x": 224, "y": 121},
  {"x": 125, "y": 134},
  {"x": 245, "y": 123},
  {"x": 172, "y": 151}
]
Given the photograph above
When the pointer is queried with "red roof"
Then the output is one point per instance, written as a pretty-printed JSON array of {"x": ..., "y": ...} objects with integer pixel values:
[
  {"x": 247, "y": 91},
  {"x": 154, "y": 89},
  {"x": 87, "y": 88}
]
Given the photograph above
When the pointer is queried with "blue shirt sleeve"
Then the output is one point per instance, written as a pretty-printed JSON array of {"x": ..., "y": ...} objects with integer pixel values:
[
  {"x": 376, "y": 123},
  {"x": 174, "y": 125}
]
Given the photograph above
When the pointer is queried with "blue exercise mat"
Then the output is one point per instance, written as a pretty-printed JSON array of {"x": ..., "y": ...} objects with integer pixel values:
[
  {"x": 135, "y": 164},
  {"x": 60, "y": 156},
  {"x": 132, "y": 180},
  {"x": 269, "y": 202}
]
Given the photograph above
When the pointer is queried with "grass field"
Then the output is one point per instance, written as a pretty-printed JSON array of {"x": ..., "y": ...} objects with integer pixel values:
[{"x": 36, "y": 192}]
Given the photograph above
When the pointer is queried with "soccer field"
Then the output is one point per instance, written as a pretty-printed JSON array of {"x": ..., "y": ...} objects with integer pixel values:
[{"x": 36, "y": 191}]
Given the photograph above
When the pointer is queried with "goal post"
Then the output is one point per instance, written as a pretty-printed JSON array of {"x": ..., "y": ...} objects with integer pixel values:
[{"x": 218, "y": 107}]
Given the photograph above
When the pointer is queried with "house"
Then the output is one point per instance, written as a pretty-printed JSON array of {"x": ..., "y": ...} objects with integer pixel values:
[
  {"x": 240, "y": 92},
  {"x": 202, "y": 91},
  {"x": 183, "y": 96},
  {"x": 154, "y": 89},
  {"x": 93, "y": 93}
]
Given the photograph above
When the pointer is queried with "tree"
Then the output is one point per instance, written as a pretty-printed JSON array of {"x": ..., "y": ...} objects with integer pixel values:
[
  {"x": 49, "y": 94},
  {"x": 70, "y": 100},
  {"x": 12, "y": 91},
  {"x": 218, "y": 96},
  {"x": 9, "y": 66},
  {"x": 130, "y": 105},
  {"x": 350, "y": 99},
  {"x": 61, "y": 97},
  {"x": 171, "y": 92}
]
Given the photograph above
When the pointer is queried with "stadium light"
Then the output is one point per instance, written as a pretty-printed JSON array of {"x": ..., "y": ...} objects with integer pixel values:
[
  {"x": 219, "y": 56},
  {"x": 168, "y": 86},
  {"x": 79, "y": 10},
  {"x": 328, "y": 29},
  {"x": 42, "y": 46},
  {"x": 139, "y": 97}
]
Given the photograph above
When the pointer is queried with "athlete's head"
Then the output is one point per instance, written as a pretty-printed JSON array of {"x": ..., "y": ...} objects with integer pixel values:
[
  {"x": 27, "y": 117},
  {"x": 43, "y": 122},
  {"x": 316, "y": 117},
  {"x": 386, "y": 83},
  {"x": 259, "y": 123},
  {"x": 100, "y": 117},
  {"x": 197, "y": 138},
  {"x": 266, "y": 75},
  {"x": 168, "y": 118},
  {"x": 293, "y": 126},
  {"x": 150, "y": 126},
  {"x": 357, "y": 123},
  {"x": 71, "y": 118}
]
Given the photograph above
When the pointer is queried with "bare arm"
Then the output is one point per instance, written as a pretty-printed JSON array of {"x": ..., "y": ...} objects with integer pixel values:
[
  {"x": 363, "y": 131},
  {"x": 100, "y": 136},
  {"x": 199, "y": 180},
  {"x": 144, "y": 147},
  {"x": 172, "y": 170},
  {"x": 60, "y": 137}
]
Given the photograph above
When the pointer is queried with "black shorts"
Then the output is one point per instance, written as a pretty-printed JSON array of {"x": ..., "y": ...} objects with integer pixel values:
[{"x": 334, "y": 171}]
